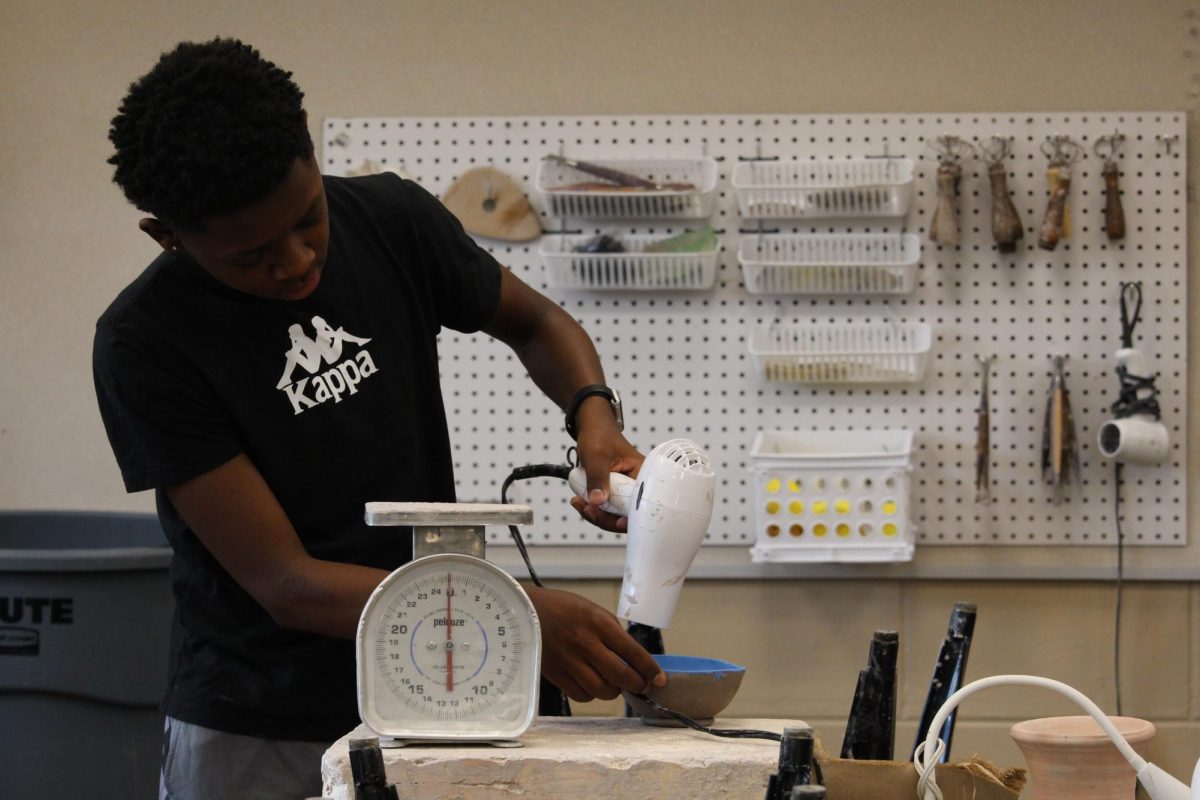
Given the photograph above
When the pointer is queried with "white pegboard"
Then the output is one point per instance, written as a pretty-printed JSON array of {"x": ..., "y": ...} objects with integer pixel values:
[{"x": 681, "y": 362}]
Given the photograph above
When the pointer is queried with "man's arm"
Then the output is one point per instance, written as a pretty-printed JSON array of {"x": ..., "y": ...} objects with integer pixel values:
[
  {"x": 561, "y": 359},
  {"x": 586, "y": 652},
  {"x": 238, "y": 519}
]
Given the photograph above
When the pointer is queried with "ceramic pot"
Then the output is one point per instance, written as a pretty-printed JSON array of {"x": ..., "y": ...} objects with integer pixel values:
[
  {"x": 1071, "y": 758},
  {"x": 699, "y": 688}
]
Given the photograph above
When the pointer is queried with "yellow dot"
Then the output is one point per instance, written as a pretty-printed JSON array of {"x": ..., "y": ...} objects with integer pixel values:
[
  {"x": 794, "y": 486},
  {"x": 889, "y": 529},
  {"x": 842, "y": 506},
  {"x": 796, "y": 530},
  {"x": 819, "y": 529},
  {"x": 772, "y": 507},
  {"x": 843, "y": 529},
  {"x": 820, "y": 508},
  {"x": 773, "y": 485},
  {"x": 772, "y": 531},
  {"x": 796, "y": 507},
  {"x": 889, "y": 507}
]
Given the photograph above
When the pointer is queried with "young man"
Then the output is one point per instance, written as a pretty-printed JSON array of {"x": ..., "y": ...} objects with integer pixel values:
[{"x": 274, "y": 369}]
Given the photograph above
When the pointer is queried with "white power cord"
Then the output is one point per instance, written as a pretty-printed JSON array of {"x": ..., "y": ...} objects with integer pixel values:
[{"x": 1158, "y": 784}]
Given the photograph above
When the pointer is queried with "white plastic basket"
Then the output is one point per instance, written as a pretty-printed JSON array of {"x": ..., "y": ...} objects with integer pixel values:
[
  {"x": 841, "y": 353},
  {"x": 632, "y": 270},
  {"x": 832, "y": 496},
  {"x": 870, "y": 187},
  {"x": 618, "y": 203},
  {"x": 830, "y": 263}
]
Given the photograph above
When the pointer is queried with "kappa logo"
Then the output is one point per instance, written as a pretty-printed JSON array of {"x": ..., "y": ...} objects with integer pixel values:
[{"x": 329, "y": 375}]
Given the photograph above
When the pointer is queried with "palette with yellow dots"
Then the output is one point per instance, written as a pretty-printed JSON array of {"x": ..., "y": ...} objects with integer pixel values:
[{"x": 832, "y": 496}]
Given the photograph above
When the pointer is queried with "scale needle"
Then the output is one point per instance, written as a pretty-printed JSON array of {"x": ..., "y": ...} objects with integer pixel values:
[{"x": 449, "y": 642}]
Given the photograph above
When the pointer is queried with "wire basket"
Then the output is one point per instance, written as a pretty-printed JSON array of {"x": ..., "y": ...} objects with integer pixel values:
[
  {"x": 832, "y": 496},
  {"x": 841, "y": 353},
  {"x": 626, "y": 203},
  {"x": 631, "y": 270},
  {"x": 834, "y": 263},
  {"x": 873, "y": 187}
]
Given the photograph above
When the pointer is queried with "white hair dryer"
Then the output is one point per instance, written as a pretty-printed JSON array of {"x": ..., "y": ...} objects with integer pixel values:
[{"x": 669, "y": 506}]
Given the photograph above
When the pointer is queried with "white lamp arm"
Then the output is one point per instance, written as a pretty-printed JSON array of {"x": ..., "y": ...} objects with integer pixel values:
[{"x": 1157, "y": 783}]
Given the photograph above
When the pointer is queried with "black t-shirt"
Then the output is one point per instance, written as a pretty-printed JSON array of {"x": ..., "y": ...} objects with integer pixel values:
[{"x": 336, "y": 400}]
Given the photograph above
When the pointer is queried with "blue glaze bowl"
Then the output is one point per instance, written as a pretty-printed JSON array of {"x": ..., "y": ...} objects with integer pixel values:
[{"x": 697, "y": 687}]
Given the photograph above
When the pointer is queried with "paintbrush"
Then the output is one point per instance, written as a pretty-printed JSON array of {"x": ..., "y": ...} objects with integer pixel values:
[{"x": 620, "y": 178}]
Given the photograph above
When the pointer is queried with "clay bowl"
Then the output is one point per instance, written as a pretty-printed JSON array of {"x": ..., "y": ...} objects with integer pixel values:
[{"x": 697, "y": 687}]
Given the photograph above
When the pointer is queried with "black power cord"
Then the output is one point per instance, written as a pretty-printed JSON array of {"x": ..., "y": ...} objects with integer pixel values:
[
  {"x": 561, "y": 471},
  {"x": 1137, "y": 395}
]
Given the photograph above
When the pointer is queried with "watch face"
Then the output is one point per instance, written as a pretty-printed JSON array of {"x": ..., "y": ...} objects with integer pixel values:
[{"x": 449, "y": 647}]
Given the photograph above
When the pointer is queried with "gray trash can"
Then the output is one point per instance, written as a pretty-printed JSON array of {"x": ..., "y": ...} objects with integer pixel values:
[{"x": 85, "y": 622}]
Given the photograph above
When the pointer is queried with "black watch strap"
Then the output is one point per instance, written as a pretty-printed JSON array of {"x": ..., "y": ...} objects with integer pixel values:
[{"x": 594, "y": 389}]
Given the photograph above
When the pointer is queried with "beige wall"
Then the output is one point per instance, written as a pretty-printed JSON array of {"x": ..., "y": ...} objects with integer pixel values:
[{"x": 68, "y": 244}]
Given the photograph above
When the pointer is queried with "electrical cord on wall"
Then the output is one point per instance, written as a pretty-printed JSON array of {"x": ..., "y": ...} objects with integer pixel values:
[
  {"x": 1119, "y": 474},
  {"x": 1137, "y": 395}
]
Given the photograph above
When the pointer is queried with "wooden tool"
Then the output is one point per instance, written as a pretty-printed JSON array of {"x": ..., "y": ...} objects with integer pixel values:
[
  {"x": 1107, "y": 147},
  {"x": 1056, "y": 224},
  {"x": 943, "y": 227},
  {"x": 488, "y": 203},
  {"x": 1060, "y": 447},
  {"x": 1006, "y": 223}
]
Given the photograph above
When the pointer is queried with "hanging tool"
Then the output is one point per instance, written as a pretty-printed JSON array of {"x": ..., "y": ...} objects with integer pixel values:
[
  {"x": 983, "y": 443},
  {"x": 488, "y": 203},
  {"x": 1006, "y": 223},
  {"x": 1108, "y": 148},
  {"x": 1060, "y": 447},
  {"x": 948, "y": 674},
  {"x": 1056, "y": 224},
  {"x": 951, "y": 150}
]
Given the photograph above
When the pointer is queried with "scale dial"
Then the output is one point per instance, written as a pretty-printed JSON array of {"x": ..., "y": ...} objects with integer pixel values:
[{"x": 449, "y": 648}]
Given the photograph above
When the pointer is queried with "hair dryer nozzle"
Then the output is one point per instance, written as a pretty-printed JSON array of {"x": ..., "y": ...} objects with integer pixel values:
[{"x": 670, "y": 513}]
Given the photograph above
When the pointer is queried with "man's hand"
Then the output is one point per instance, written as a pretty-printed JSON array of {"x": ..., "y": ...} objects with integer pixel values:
[
  {"x": 602, "y": 450},
  {"x": 586, "y": 652}
]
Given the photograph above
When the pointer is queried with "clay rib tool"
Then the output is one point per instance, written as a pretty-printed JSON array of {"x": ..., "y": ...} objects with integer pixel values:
[
  {"x": 871, "y": 727},
  {"x": 948, "y": 674},
  {"x": 983, "y": 436}
]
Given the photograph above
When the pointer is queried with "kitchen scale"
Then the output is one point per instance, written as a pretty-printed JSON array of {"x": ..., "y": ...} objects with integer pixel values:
[{"x": 449, "y": 646}]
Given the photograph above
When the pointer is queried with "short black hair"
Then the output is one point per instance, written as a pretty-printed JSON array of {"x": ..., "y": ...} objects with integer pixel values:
[{"x": 212, "y": 128}]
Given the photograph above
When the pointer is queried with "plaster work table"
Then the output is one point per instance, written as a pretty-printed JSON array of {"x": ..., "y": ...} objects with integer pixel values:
[{"x": 575, "y": 757}]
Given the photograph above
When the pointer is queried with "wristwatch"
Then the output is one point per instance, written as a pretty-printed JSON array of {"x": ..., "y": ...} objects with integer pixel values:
[{"x": 614, "y": 400}]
